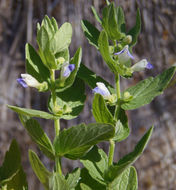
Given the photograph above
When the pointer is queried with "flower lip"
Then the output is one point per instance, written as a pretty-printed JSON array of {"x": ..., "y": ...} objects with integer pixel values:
[
  {"x": 22, "y": 82},
  {"x": 101, "y": 89},
  {"x": 67, "y": 69}
]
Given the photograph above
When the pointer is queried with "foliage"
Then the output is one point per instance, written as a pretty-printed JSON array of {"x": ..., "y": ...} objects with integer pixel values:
[{"x": 67, "y": 99}]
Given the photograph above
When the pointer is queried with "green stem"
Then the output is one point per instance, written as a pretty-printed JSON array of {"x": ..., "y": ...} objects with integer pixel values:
[
  {"x": 57, "y": 126},
  {"x": 53, "y": 93},
  {"x": 118, "y": 87},
  {"x": 58, "y": 165},
  {"x": 56, "y": 121},
  {"x": 117, "y": 109},
  {"x": 111, "y": 152}
]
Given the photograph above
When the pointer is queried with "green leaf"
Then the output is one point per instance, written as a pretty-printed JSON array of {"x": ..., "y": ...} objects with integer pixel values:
[
  {"x": 11, "y": 163},
  {"x": 114, "y": 31},
  {"x": 44, "y": 42},
  {"x": 54, "y": 23},
  {"x": 32, "y": 112},
  {"x": 40, "y": 171},
  {"x": 50, "y": 58},
  {"x": 116, "y": 170},
  {"x": 74, "y": 142},
  {"x": 34, "y": 65},
  {"x": 146, "y": 90},
  {"x": 120, "y": 19},
  {"x": 73, "y": 178},
  {"x": 57, "y": 182},
  {"x": 42, "y": 38},
  {"x": 96, "y": 15},
  {"x": 38, "y": 136},
  {"x": 104, "y": 50},
  {"x": 96, "y": 162},
  {"x": 105, "y": 18},
  {"x": 127, "y": 180},
  {"x": 72, "y": 99},
  {"x": 88, "y": 183},
  {"x": 100, "y": 111},
  {"x": 61, "y": 39},
  {"x": 18, "y": 181},
  {"x": 135, "y": 31},
  {"x": 76, "y": 60},
  {"x": 48, "y": 26},
  {"x": 90, "y": 78},
  {"x": 122, "y": 129},
  {"x": 91, "y": 32},
  {"x": 85, "y": 187}
]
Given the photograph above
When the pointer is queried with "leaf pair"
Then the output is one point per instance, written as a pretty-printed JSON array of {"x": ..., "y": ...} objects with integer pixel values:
[
  {"x": 53, "y": 181},
  {"x": 113, "y": 22},
  {"x": 119, "y": 175},
  {"x": 52, "y": 40},
  {"x": 72, "y": 143}
]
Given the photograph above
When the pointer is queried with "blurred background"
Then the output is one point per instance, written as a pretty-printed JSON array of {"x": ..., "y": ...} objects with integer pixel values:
[{"x": 157, "y": 42}]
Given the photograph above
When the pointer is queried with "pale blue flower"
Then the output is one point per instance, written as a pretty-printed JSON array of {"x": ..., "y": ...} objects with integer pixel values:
[
  {"x": 101, "y": 89},
  {"x": 125, "y": 56},
  {"x": 141, "y": 65},
  {"x": 66, "y": 70},
  {"x": 28, "y": 80}
]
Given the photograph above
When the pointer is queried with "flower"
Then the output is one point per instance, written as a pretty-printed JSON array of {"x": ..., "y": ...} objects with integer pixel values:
[
  {"x": 28, "y": 80},
  {"x": 101, "y": 89},
  {"x": 125, "y": 56},
  {"x": 141, "y": 65},
  {"x": 66, "y": 70}
]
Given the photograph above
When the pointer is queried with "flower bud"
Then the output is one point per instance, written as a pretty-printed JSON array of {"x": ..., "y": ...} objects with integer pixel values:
[
  {"x": 127, "y": 96},
  {"x": 60, "y": 61},
  {"x": 127, "y": 40}
]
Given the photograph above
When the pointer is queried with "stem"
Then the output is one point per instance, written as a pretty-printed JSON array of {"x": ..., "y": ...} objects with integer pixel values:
[
  {"x": 58, "y": 165},
  {"x": 118, "y": 86},
  {"x": 117, "y": 109},
  {"x": 58, "y": 159},
  {"x": 56, "y": 121},
  {"x": 57, "y": 126},
  {"x": 53, "y": 93},
  {"x": 111, "y": 152}
]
